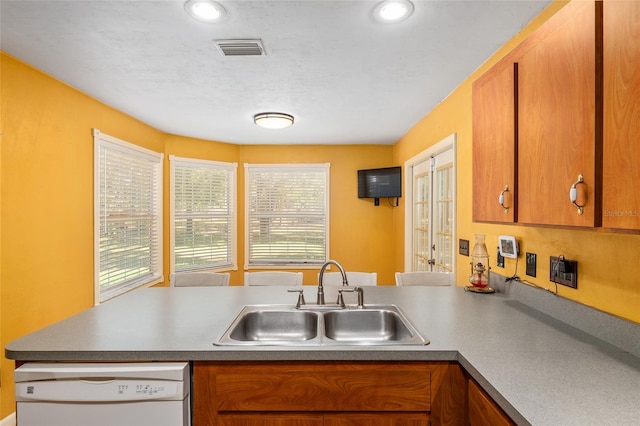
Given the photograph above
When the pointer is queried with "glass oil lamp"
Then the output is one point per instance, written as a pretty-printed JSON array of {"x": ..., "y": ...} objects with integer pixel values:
[{"x": 479, "y": 264}]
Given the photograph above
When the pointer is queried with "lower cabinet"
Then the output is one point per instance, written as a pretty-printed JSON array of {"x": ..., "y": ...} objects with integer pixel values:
[
  {"x": 327, "y": 393},
  {"x": 323, "y": 393},
  {"x": 483, "y": 411}
]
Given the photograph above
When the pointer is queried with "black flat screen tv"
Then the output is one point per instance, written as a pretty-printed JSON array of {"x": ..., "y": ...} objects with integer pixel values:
[{"x": 380, "y": 183}]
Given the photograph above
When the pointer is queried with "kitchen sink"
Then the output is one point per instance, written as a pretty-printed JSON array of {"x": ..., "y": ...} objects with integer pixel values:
[
  {"x": 366, "y": 326},
  {"x": 274, "y": 326},
  {"x": 325, "y": 325}
]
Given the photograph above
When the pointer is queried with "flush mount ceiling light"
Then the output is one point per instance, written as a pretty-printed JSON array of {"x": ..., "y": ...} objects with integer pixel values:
[
  {"x": 393, "y": 10},
  {"x": 273, "y": 120},
  {"x": 205, "y": 10}
]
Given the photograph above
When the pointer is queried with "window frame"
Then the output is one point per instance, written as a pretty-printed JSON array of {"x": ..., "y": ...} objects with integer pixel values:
[
  {"x": 102, "y": 142},
  {"x": 290, "y": 167},
  {"x": 231, "y": 168}
]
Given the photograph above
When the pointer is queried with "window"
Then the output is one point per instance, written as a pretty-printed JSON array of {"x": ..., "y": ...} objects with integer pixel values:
[
  {"x": 203, "y": 217},
  {"x": 287, "y": 215},
  {"x": 128, "y": 216}
]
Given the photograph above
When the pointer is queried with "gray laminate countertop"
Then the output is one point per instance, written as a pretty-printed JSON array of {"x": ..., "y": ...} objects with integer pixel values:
[{"x": 540, "y": 370}]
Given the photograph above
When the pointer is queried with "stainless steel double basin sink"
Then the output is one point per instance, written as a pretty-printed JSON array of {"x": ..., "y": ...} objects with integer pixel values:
[{"x": 313, "y": 325}]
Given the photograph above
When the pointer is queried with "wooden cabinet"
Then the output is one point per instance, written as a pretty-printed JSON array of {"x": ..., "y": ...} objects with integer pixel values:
[
  {"x": 546, "y": 138},
  {"x": 483, "y": 411},
  {"x": 494, "y": 144},
  {"x": 621, "y": 152},
  {"x": 558, "y": 134},
  {"x": 577, "y": 123},
  {"x": 324, "y": 393}
]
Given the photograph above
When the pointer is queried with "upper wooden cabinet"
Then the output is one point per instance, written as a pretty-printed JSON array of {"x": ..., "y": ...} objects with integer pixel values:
[
  {"x": 537, "y": 126},
  {"x": 558, "y": 135},
  {"x": 621, "y": 173},
  {"x": 494, "y": 144}
]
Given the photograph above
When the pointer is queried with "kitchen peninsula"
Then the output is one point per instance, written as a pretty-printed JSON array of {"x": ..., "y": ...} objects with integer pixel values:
[{"x": 538, "y": 369}]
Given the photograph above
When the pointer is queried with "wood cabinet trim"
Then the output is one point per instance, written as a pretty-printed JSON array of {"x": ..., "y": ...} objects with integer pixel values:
[{"x": 482, "y": 410}]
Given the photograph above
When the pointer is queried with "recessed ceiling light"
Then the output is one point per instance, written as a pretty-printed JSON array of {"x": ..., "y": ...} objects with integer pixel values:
[
  {"x": 393, "y": 10},
  {"x": 273, "y": 120},
  {"x": 205, "y": 10}
]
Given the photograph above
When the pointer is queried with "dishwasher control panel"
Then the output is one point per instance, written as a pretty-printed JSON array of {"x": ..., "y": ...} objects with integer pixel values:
[{"x": 99, "y": 389}]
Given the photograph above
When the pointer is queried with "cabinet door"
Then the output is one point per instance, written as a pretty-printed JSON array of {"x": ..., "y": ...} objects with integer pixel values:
[
  {"x": 557, "y": 137},
  {"x": 483, "y": 411},
  {"x": 494, "y": 144},
  {"x": 377, "y": 419},
  {"x": 621, "y": 172}
]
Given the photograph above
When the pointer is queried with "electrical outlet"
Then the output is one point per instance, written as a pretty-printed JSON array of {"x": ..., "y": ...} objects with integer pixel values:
[
  {"x": 531, "y": 264},
  {"x": 500, "y": 259},
  {"x": 563, "y": 271},
  {"x": 463, "y": 247}
]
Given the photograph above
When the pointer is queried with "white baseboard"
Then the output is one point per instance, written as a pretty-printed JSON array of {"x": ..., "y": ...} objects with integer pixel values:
[{"x": 10, "y": 420}]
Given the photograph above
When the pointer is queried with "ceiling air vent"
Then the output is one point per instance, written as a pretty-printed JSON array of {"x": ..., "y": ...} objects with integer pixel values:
[{"x": 240, "y": 47}]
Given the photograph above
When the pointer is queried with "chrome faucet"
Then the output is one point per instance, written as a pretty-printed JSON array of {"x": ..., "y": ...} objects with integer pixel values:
[{"x": 320, "y": 300}]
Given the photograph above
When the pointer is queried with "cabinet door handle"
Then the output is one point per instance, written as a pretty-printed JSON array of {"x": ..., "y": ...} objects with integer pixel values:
[
  {"x": 501, "y": 199},
  {"x": 573, "y": 193}
]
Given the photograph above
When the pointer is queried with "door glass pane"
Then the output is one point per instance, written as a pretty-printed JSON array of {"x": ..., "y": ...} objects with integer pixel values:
[
  {"x": 422, "y": 219},
  {"x": 443, "y": 229}
]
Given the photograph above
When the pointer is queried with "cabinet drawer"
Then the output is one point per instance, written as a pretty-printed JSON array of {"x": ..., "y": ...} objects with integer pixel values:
[{"x": 322, "y": 387}]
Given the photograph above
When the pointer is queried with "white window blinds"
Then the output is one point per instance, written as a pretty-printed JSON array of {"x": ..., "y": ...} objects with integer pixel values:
[
  {"x": 128, "y": 216},
  {"x": 287, "y": 214},
  {"x": 203, "y": 223}
]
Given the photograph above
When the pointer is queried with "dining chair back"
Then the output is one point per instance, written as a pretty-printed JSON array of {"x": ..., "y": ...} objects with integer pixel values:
[
  {"x": 200, "y": 279},
  {"x": 424, "y": 278},
  {"x": 353, "y": 278},
  {"x": 282, "y": 278}
]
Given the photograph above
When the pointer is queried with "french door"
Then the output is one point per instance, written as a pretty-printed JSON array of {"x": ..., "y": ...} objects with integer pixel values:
[{"x": 430, "y": 221}]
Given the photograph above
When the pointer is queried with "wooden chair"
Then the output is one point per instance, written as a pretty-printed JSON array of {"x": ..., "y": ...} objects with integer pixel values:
[
  {"x": 281, "y": 278},
  {"x": 424, "y": 278},
  {"x": 354, "y": 278},
  {"x": 199, "y": 279}
]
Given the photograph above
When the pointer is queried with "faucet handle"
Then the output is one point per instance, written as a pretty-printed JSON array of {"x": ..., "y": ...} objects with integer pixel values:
[
  {"x": 340, "y": 300},
  {"x": 300, "y": 292},
  {"x": 357, "y": 289}
]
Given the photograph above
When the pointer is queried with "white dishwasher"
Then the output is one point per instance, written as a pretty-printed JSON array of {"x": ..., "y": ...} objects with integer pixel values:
[{"x": 103, "y": 394}]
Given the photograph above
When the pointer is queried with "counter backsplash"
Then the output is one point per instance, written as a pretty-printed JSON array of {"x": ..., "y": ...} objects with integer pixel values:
[{"x": 616, "y": 331}]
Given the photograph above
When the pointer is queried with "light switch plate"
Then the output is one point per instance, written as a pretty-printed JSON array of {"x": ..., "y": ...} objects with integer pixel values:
[
  {"x": 531, "y": 264},
  {"x": 463, "y": 247}
]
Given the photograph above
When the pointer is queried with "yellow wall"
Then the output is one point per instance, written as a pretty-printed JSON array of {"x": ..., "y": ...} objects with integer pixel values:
[
  {"x": 608, "y": 264},
  {"x": 47, "y": 200}
]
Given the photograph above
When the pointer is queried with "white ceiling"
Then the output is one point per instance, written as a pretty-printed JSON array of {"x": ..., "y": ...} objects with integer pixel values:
[{"x": 347, "y": 78}]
